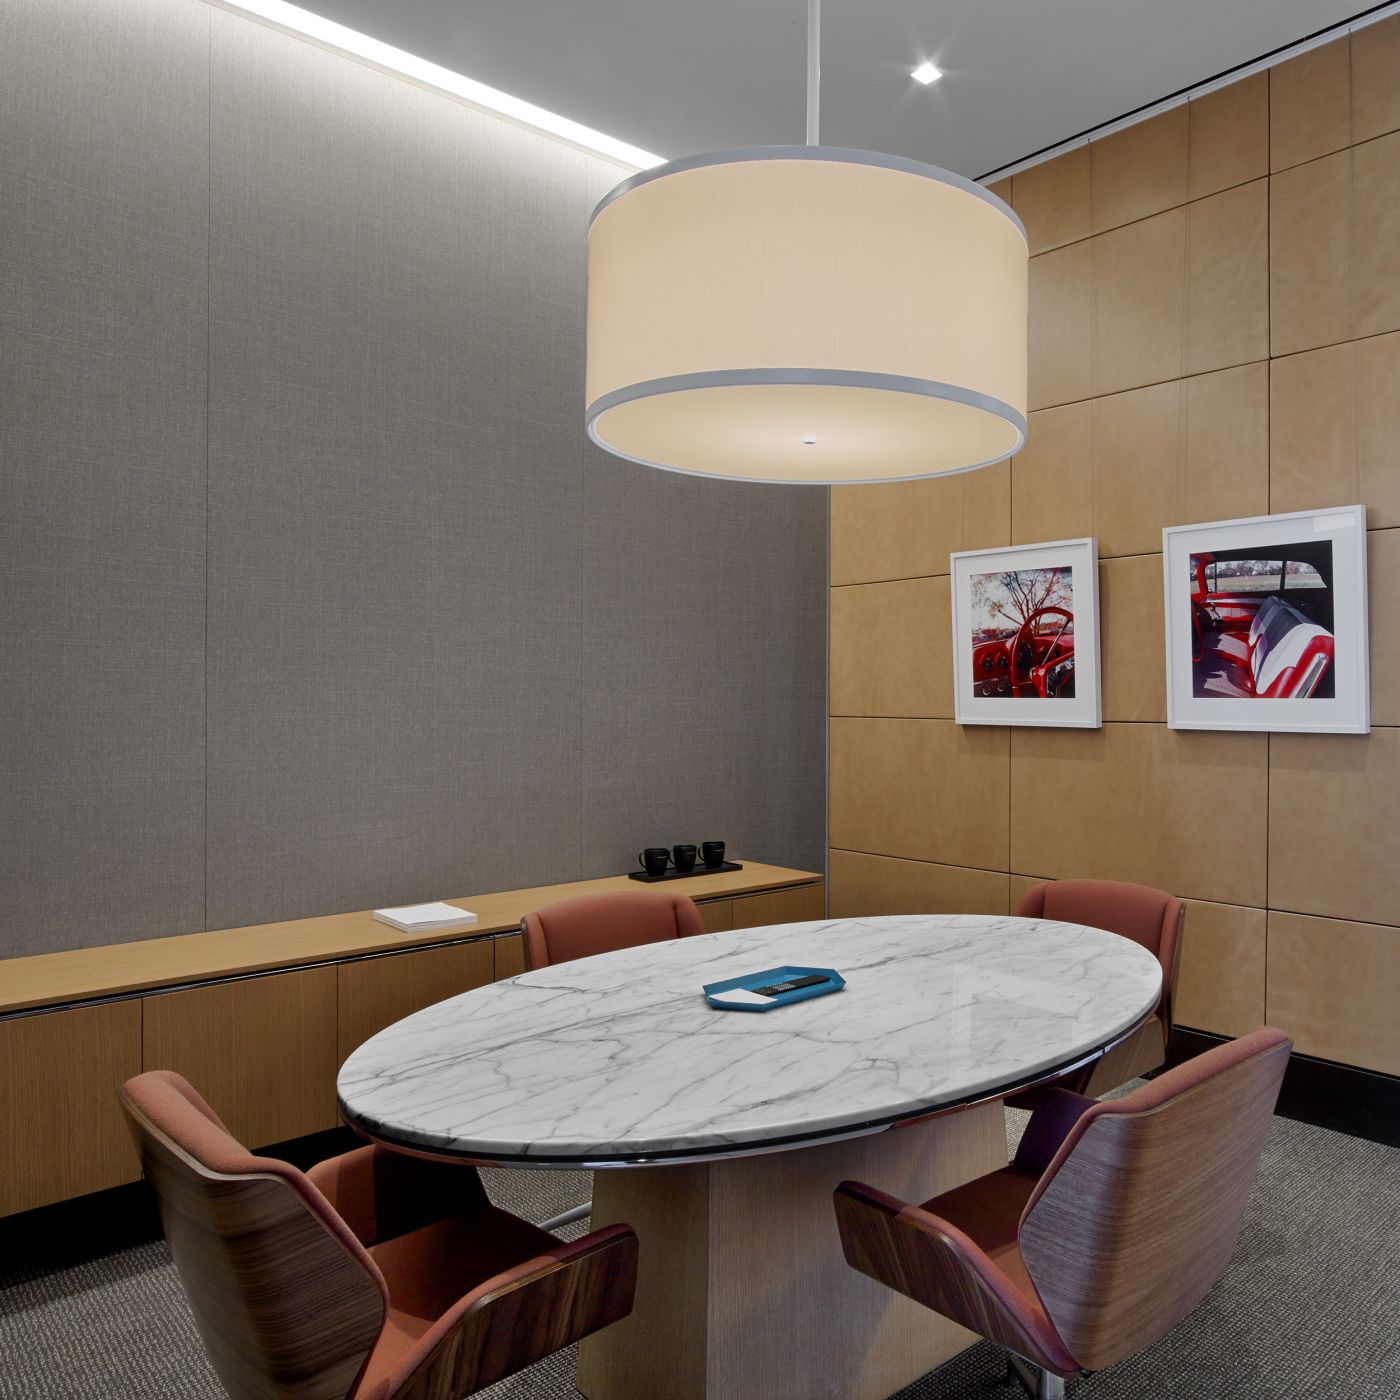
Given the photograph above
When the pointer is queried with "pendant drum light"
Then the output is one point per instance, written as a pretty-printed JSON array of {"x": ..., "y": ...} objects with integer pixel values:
[{"x": 806, "y": 314}]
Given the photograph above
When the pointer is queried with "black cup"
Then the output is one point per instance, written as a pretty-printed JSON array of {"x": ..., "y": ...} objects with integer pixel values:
[
  {"x": 712, "y": 853},
  {"x": 654, "y": 860},
  {"x": 683, "y": 858}
]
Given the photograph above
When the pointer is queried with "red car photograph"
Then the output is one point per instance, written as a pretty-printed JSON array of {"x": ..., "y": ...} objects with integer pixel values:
[
  {"x": 1262, "y": 622},
  {"x": 1023, "y": 634}
]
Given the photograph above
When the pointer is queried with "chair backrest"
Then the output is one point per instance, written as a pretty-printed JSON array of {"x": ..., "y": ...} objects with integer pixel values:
[
  {"x": 1148, "y": 916},
  {"x": 602, "y": 923},
  {"x": 287, "y": 1301},
  {"x": 1136, "y": 1216}
]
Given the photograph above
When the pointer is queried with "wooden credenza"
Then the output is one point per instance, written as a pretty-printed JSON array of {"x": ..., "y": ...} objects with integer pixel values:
[{"x": 259, "y": 1019}]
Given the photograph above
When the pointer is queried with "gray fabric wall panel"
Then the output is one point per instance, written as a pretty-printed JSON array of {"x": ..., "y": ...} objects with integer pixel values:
[
  {"x": 704, "y": 666},
  {"x": 448, "y": 644},
  {"x": 103, "y": 233},
  {"x": 394, "y": 554}
]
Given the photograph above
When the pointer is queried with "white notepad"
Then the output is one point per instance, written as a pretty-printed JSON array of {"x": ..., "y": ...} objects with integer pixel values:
[
  {"x": 741, "y": 996},
  {"x": 421, "y": 918}
]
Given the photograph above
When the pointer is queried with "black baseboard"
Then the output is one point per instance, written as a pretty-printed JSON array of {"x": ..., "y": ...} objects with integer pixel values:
[
  {"x": 1348, "y": 1100},
  {"x": 70, "y": 1232}
]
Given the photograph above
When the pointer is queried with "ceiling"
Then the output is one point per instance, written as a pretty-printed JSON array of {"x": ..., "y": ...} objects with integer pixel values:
[{"x": 712, "y": 74}]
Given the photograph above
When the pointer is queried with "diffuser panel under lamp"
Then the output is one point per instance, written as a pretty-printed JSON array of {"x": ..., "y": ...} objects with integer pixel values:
[{"x": 806, "y": 314}]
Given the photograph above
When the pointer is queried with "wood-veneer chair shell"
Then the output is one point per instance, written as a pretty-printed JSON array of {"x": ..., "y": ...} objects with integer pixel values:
[
  {"x": 375, "y": 1276},
  {"x": 1113, "y": 1221}
]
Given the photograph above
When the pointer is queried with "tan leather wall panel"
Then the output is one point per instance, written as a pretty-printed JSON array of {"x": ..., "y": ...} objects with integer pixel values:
[
  {"x": 1227, "y": 278},
  {"x": 261, "y": 1051},
  {"x": 1061, "y": 307},
  {"x": 1375, "y": 94},
  {"x": 1312, "y": 416},
  {"x": 1334, "y": 811},
  {"x": 1229, "y": 137},
  {"x": 1139, "y": 171},
  {"x": 1138, "y": 441},
  {"x": 1332, "y": 985},
  {"x": 1227, "y": 445},
  {"x": 1052, "y": 478},
  {"x": 1310, "y": 105},
  {"x": 1139, "y": 296},
  {"x": 376, "y": 992},
  {"x": 62, "y": 1132},
  {"x": 1220, "y": 980},
  {"x": 1375, "y": 174},
  {"x": 1124, "y": 466},
  {"x": 907, "y": 529},
  {"x": 1132, "y": 639},
  {"x": 1377, "y": 368},
  {"x": 790, "y": 906},
  {"x": 1335, "y": 419},
  {"x": 891, "y": 648},
  {"x": 865, "y": 884},
  {"x": 1052, "y": 200},
  {"x": 1383, "y": 568},
  {"x": 926, "y": 789},
  {"x": 1183, "y": 811},
  {"x": 1310, "y": 255},
  {"x": 1215, "y": 334}
]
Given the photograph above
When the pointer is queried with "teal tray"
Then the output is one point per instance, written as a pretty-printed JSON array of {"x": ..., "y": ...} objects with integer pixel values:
[{"x": 834, "y": 983}]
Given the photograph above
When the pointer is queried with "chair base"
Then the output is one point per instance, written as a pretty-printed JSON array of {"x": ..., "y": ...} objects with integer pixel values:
[
  {"x": 557, "y": 1222},
  {"x": 1039, "y": 1384}
]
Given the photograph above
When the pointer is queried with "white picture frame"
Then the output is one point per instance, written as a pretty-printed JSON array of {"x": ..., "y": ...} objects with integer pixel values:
[
  {"x": 1017, "y": 675},
  {"x": 1295, "y": 662}
]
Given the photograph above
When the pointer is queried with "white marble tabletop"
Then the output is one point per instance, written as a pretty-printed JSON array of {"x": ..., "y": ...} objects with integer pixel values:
[{"x": 619, "y": 1058}]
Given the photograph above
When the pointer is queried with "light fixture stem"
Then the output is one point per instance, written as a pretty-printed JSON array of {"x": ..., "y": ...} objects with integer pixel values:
[{"x": 814, "y": 71}]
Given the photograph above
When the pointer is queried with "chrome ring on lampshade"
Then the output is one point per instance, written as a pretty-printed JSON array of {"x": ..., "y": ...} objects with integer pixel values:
[{"x": 806, "y": 314}]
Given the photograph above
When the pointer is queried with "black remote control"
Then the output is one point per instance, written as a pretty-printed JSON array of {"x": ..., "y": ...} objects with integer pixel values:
[{"x": 774, "y": 989}]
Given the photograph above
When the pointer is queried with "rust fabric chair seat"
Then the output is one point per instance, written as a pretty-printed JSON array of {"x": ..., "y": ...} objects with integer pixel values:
[
  {"x": 603, "y": 923},
  {"x": 1110, "y": 1225},
  {"x": 375, "y": 1276},
  {"x": 427, "y": 1271},
  {"x": 988, "y": 1211}
]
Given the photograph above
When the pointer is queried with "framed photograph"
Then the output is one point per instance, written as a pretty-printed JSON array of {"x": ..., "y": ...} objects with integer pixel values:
[
  {"x": 1266, "y": 623},
  {"x": 1026, "y": 635}
]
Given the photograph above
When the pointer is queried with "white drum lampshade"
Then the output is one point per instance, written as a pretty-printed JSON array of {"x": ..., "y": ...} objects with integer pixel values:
[{"x": 806, "y": 314}]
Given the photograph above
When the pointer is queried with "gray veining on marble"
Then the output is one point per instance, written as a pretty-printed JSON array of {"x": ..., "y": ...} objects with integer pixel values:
[{"x": 620, "y": 1056}]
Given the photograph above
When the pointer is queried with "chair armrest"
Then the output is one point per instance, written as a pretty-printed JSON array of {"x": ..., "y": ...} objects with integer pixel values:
[
  {"x": 1057, "y": 1112},
  {"x": 520, "y": 1316},
  {"x": 381, "y": 1194},
  {"x": 930, "y": 1260}
]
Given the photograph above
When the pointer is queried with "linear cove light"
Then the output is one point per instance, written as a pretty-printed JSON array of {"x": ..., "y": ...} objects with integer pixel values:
[{"x": 361, "y": 46}]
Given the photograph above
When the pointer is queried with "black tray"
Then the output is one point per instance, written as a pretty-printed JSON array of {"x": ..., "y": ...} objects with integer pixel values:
[{"x": 671, "y": 873}]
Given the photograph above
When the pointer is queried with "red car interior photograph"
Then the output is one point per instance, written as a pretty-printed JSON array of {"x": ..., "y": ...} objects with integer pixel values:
[
  {"x": 1262, "y": 622},
  {"x": 1023, "y": 634}
]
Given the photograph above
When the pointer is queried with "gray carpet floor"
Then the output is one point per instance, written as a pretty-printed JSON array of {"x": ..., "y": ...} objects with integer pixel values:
[{"x": 1310, "y": 1306}]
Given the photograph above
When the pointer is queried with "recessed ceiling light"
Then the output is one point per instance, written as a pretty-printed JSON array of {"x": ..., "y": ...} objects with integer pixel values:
[{"x": 927, "y": 73}]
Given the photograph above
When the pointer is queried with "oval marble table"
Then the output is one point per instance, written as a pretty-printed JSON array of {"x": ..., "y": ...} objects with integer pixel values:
[{"x": 727, "y": 1131}]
